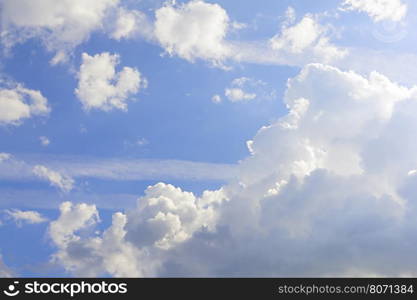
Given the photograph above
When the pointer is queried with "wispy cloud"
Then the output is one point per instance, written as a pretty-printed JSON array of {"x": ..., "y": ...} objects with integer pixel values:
[
  {"x": 21, "y": 168},
  {"x": 28, "y": 217},
  {"x": 56, "y": 179}
]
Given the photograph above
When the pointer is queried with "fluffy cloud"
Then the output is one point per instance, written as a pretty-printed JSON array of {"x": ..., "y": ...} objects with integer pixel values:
[
  {"x": 60, "y": 24},
  {"x": 101, "y": 87},
  {"x": 326, "y": 191},
  {"x": 216, "y": 99},
  {"x": 193, "y": 30},
  {"x": 307, "y": 37},
  {"x": 167, "y": 216},
  {"x": 378, "y": 10},
  {"x": 19, "y": 103},
  {"x": 29, "y": 217},
  {"x": 237, "y": 94},
  {"x": 63, "y": 232},
  {"x": 131, "y": 23},
  {"x": 64, "y": 183},
  {"x": 134, "y": 243},
  {"x": 299, "y": 36},
  {"x": 244, "y": 88}
]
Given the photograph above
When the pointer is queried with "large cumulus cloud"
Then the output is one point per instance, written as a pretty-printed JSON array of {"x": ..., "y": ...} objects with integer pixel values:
[{"x": 328, "y": 190}]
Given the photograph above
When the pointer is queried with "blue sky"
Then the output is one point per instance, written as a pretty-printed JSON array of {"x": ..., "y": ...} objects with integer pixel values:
[{"x": 141, "y": 138}]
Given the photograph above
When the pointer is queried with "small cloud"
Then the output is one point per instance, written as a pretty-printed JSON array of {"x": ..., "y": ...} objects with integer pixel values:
[
  {"x": 64, "y": 183},
  {"x": 101, "y": 87},
  {"x": 139, "y": 142},
  {"x": 28, "y": 217},
  {"x": 130, "y": 24},
  {"x": 378, "y": 10},
  {"x": 59, "y": 58},
  {"x": 142, "y": 142},
  {"x": 245, "y": 88},
  {"x": 216, "y": 99},
  {"x": 19, "y": 103},
  {"x": 238, "y": 26},
  {"x": 307, "y": 38},
  {"x": 44, "y": 141},
  {"x": 237, "y": 94}
]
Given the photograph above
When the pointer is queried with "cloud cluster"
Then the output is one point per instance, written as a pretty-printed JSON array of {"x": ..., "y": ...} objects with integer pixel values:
[
  {"x": 101, "y": 87},
  {"x": 378, "y": 10},
  {"x": 327, "y": 191},
  {"x": 62, "y": 182},
  {"x": 19, "y": 103}
]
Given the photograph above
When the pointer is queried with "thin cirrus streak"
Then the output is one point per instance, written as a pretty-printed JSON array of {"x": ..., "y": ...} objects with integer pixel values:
[{"x": 16, "y": 169}]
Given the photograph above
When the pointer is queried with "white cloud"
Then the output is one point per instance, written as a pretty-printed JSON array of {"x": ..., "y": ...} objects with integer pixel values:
[
  {"x": 63, "y": 232},
  {"x": 307, "y": 38},
  {"x": 165, "y": 217},
  {"x": 117, "y": 169},
  {"x": 378, "y": 10},
  {"x": 101, "y": 87},
  {"x": 216, "y": 99},
  {"x": 63, "y": 182},
  {"x": 19, "y": 103},
  {"x": 130, "y": 24},
  {"x": 244, "y": 88},
  {"x": 326, "y": 191},
  {"x": 238, "y": 26},
  {"x": 61, "y": 25},
  {"x": 193, "y": 30},
  {"x": 297, "y": 38},
  {"x": 412, "y": 172},
  {"x": 29, "y": 217},
  {"x": 241, "y": 81},
  {"x": 44, "y": 141},
  {"x": 72, "y": 218},
  {"x": 310, "y": 40},
  {"x": 237, "y": 94}
]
